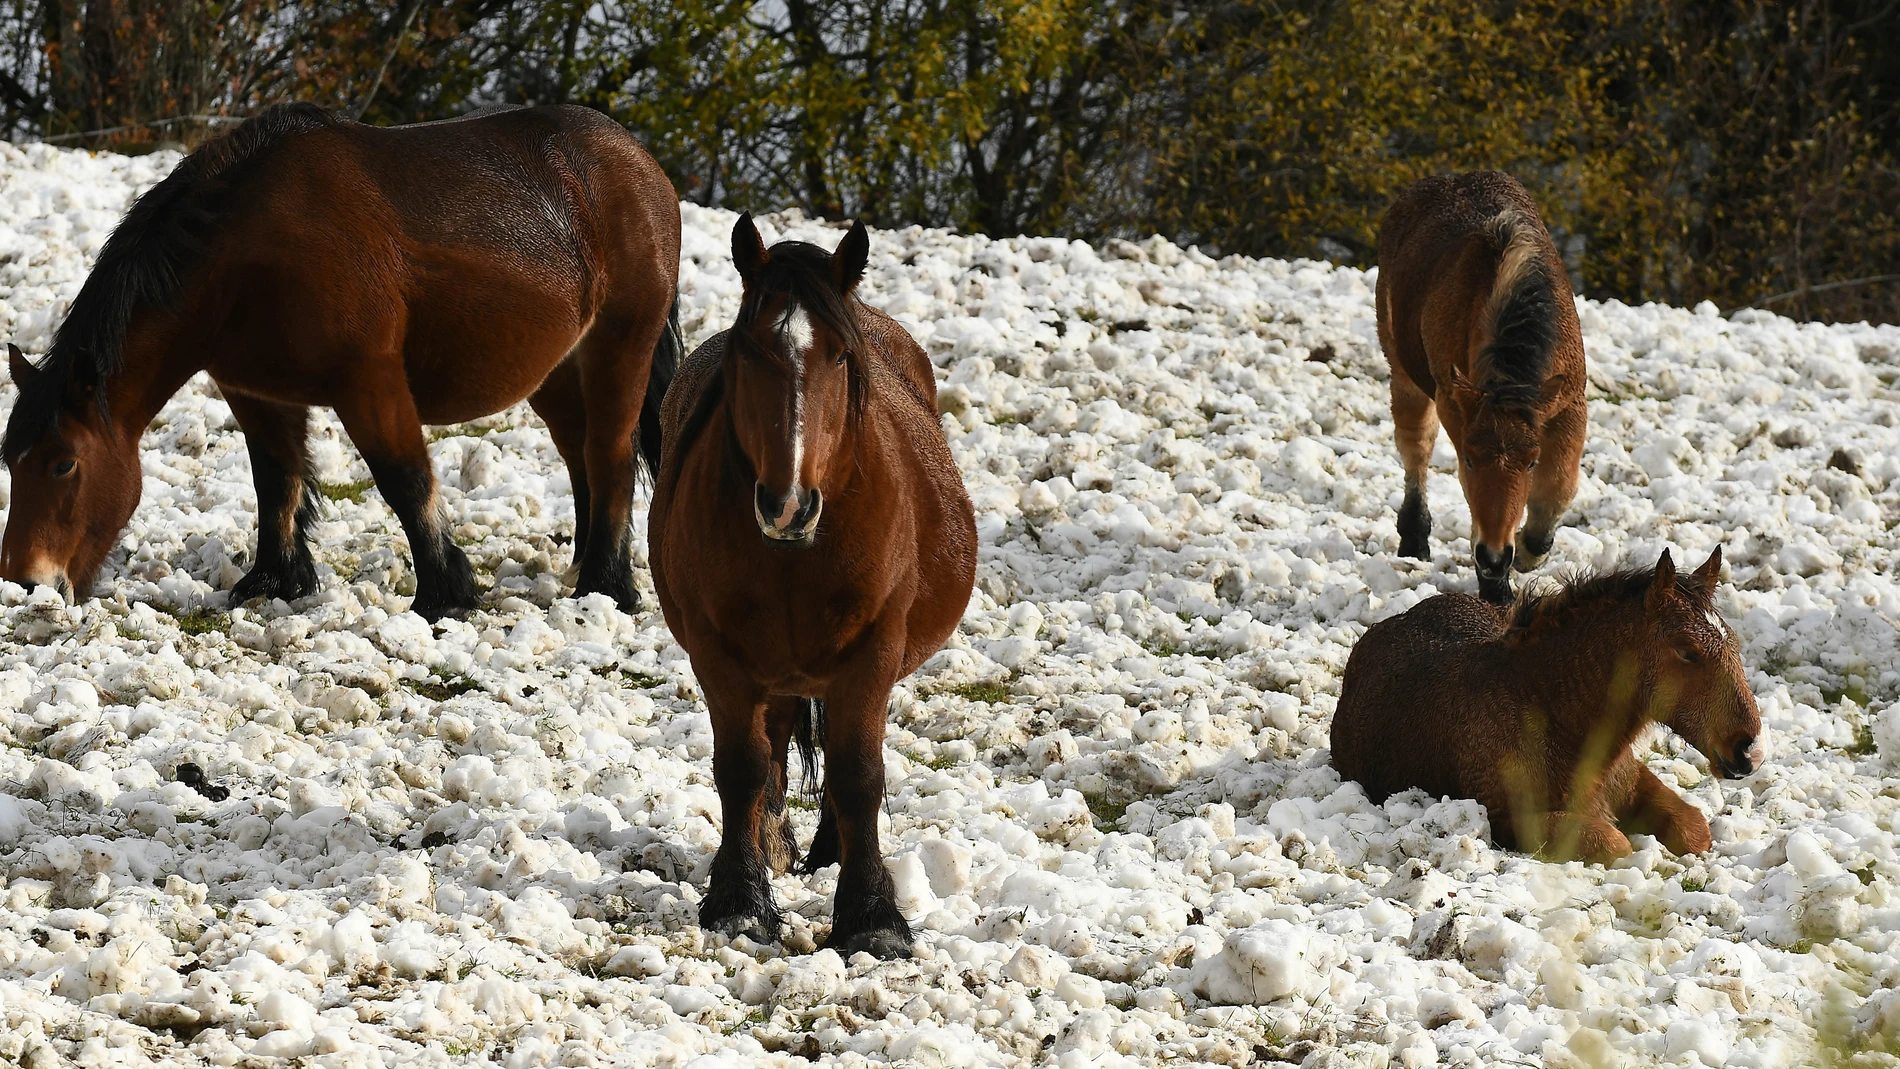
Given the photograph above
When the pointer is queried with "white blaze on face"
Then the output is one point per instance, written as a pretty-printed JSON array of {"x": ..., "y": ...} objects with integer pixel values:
[{"x": 795, "y": 333}]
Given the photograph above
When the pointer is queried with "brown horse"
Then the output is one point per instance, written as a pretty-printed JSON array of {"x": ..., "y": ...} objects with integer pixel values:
[
  {"x": 1476, "y": 319},
  {"x": 811, "y": 543},
  {"x": 417, "y": 274},
  {"x": 1532, "y": 709}
]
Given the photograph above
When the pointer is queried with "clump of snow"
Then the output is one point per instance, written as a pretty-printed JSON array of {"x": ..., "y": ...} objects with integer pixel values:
[{"x": 1111, "y": 812}]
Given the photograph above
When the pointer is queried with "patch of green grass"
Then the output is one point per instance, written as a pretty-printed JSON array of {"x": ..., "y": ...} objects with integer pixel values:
[
  {"x": 994, "y": 692},
  {"x": 941, "y": 762},
  {"x": 1852, "y": 692},
  {"x": 1107, "y": 812},
  {"x": 1863, "y": 744},
  {"x": 1865, "y": 873},
  {"x": 1694, "y": 883},
  {"x": 196, "y": 621},
  {"x": 1163, "y": 648},
  {"x": 351, "y": 491},
  {"x": 636, "y": 680},
  {"x": 441, "y": 690}
]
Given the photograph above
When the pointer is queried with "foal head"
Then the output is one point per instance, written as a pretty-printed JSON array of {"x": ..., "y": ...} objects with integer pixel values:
[
  {"x": 75, "y": 483},
  {"x": 1502, "y": 436},
  {"x": 1695, "y": 662},
  {"x": 793, "y": 389}
]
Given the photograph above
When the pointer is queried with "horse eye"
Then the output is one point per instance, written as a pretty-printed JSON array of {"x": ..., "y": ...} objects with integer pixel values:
[
  {"x": 843, "y": 356},
  {"x": 63, "y": 468},
  {"x": 1689, "y": 656}
]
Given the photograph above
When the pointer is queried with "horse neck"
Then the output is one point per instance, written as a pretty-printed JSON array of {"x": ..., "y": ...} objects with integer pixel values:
[
  {"x": 1591, "y": 664},
  {"x": 155, "y": 367}
]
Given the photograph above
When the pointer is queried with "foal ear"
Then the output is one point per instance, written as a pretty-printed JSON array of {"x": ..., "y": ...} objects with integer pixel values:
[
  {"x": 847, "y": 264},
  {"x": 19, "y": 366},
  {"x": 1710, "y": 572},
  {"x": 1662, "y": 586},
  {"x": 748, "y": 249}
]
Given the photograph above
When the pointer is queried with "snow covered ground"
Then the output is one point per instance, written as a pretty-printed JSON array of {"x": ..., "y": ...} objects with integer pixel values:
[{"x": 1110, "y": 810}]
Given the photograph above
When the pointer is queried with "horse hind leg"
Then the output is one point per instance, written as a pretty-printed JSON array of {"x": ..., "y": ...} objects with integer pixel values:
[
  {"x": 1415, "y": 418},
  {"x": 616, "y": 360},
  {"x": 558, "y": 403},
  {"x": 276, "y": 436},
  {"x": 1553, "y": 484},
  {"x": 381, "y": 419}
]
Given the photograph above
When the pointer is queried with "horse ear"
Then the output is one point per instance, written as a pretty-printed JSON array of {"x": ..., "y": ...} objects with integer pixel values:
[
  {"x": 19, "y": 366},
  {"x": 847, "y": 264},
  {"x": 1710, "y": 572},
  {"x": 748, "y": 249},
  {"x": 1663, "y": 586}
]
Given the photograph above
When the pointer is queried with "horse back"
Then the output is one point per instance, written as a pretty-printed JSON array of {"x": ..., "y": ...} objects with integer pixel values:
[
  {"x": 1450, "y": 250},
  {"x": 1411, "y": 704}
]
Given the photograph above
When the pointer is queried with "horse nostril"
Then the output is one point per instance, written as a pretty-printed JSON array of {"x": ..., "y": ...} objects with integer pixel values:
[
  {"x": 1493, "y": 564},
  {"x": 1743, "y": 759},
  {"x": 768, "y": 502}
]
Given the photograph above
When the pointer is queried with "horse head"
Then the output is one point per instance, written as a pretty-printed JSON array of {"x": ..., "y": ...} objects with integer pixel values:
[
  {"x": 1695, "y": 659},
  {"x": 75, "y": 481},
  {"x": 790, "y": 376}
]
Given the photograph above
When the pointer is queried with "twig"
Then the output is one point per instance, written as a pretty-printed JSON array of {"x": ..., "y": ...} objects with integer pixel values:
[
  {"x": 1823, "y": 287},
  {"x": 388, "y": 58},
  {"x": 210, "y": 120}
]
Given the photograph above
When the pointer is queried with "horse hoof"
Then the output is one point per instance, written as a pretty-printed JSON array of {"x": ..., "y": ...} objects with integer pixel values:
[
  {"x": 288, "y": 583},
  {"x": 1532, "y": 553},
  {"x": 1415, "y": 548},
  {"x": 756, "y": 928},
  {"x": 881, "y": 943}
]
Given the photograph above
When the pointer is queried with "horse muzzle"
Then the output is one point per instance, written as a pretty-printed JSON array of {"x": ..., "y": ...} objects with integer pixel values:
[
  {"x": 1493, "y": 566},
  {"x": 40, "y": 574},
  {"x": 1746, "y": 758},
  {"x": 787, "y": 519}
]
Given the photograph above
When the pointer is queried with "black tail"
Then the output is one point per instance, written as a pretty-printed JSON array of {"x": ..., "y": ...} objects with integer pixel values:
[
  {"x": 807, "y": 733},
  {"x": 666, "y": 361}
]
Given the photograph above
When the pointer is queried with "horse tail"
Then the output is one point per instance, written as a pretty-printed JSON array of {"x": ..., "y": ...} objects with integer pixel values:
[
  {"x": 666, "y": 361},
  {"x": 809, "y": 729},
  {"x": 1520, "y": 316}
]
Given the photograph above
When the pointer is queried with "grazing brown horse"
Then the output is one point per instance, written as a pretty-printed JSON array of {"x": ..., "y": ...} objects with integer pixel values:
[
  {"x": 1532, "y": 709},
  {"x": 811, "y": 543},
  {"x": 416, "y": 274},
  {"x": 1477, "y": 321}
]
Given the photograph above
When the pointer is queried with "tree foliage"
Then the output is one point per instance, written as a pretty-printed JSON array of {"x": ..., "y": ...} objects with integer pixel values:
[{"x": 1740, "y": 151}]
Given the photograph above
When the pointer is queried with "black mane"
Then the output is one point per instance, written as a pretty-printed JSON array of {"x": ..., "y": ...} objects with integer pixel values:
[
  {"x": 144, "y": 263},
  {"x": 800, "y": 271},
  {"x": 1583, "y": 588},
  {"x": 1523, "y": 336}
]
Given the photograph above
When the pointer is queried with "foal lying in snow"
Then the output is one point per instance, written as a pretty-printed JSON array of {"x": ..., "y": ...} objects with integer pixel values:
[{"x": 1531, "y": 708}]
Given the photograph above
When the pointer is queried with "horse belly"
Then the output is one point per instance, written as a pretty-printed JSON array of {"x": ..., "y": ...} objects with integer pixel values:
[{"x": 467, "y": 359}]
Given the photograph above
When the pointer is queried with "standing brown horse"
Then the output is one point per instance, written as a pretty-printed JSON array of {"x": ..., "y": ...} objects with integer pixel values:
[
  {"x": 1532, "y": 710},
  {"x": 417, "y": 274},
  {"x": 1476, "y": 319},
  {"x": 812, "y": 543}
]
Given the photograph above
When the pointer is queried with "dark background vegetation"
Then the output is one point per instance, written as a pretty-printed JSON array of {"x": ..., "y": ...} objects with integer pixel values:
[{"x": 1729, "y": 150}]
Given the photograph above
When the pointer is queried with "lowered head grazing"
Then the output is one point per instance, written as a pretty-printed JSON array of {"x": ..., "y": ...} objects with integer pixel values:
[
  {"x": 1695, "y": 662},
  {"x": 790, "y": 371},
  {"x": 75, "y": 484}
]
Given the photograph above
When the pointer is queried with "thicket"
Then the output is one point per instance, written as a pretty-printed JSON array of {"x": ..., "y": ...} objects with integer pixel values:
[{"x": 1738, "y": 151}]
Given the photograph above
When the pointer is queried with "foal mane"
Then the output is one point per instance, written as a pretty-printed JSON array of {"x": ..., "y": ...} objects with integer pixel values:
[
  {"x": 143, "y": 264},
  {"x": 1588, "y": 589},
  {"x": 1522, "y": 315}
]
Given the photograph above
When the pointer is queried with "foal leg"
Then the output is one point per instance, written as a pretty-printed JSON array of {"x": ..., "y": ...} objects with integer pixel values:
[
  {"x": 382, "y": 421},
  {"x": 616, "y": 357},
  {"x": 1416, "y": 420},
  {"x": 864, "y": 914},
  {"x": 277, "y": 437},
  {"x": 739, "y": 899},
  {"x": 1553, "y": 484},
  {"x": 558, "y": 403},
  {"x": 1656, "y": 810}
]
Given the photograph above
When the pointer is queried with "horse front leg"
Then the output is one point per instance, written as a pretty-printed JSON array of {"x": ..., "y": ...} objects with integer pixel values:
[
  {"x": 1654, "y": 809},
  {"x": 864, "y": 913},
  {"x": 776, "y": 839},
  {"x": 381, "y": 419},
  {"x": 1553, "y": 484},
  {"x": 739, "y": 899},
  {"x": 277, "y": 437}
]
